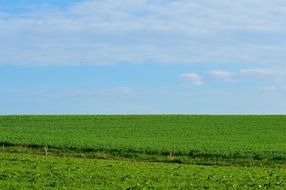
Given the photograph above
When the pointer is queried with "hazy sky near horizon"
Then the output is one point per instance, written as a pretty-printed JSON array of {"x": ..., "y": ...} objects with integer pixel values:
[{"x": 142, "y": 57}]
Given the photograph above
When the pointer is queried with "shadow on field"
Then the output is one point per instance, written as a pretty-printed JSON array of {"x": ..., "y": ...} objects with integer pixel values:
[{"x": 193, "y": 157}]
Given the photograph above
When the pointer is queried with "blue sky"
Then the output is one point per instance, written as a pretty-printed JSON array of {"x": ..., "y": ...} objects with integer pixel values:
[{"x": 142, "y": 57}]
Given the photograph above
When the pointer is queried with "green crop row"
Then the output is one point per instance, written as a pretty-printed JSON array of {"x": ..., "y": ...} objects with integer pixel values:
[
  {"x": 24, "y": 171},
  {"x": 256, "y": 137}
]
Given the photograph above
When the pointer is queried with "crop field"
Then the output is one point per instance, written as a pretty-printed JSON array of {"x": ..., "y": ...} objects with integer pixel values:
[
  {"x": 24, "y": 171},
  {"x": 161, "y": 151}
]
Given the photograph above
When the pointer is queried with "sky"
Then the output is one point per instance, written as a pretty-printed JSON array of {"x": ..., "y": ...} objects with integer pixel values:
[{"x": 142, "y": 57}]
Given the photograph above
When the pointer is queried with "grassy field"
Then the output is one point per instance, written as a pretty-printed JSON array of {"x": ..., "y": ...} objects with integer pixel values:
[
  {"x": 212, "y": 151},
  {"x": 24, "y": 171},
  {"x": 257, "y": 137}
]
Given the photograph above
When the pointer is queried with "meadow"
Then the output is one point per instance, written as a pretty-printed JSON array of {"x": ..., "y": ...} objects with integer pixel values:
[{"x": 241, "y": 151}]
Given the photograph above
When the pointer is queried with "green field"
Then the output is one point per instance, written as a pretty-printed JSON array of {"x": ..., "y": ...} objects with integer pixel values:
[
  {"x": 227, "y": 143},
  {"x": 23, "y": 171}
]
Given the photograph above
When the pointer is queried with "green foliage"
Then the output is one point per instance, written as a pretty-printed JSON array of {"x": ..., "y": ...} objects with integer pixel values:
[
  {"x": 23, "y": 171},
  {"x": 225, "y": 142},
  {"x": 255, "y": 137}
]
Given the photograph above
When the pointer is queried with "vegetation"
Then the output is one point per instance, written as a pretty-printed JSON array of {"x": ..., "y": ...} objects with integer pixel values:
[
  {"x": 251, "y": 137},
  {"x": 199, "y": 151},
  {"x": 24, "y": 171}
]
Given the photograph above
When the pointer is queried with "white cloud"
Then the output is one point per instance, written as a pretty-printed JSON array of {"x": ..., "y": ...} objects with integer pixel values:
[
  {"x": 74, "y": 93},
  {"x": 279, "y": 88},
  {"x": 223, "y": 75},
  {"x": 256, "y": 72},
  {"x": 139, "y": 31},
  {"x": 267, "y": 73},
  {"x": 124, "y": 90},
  {"x": 192, "y": 79}
]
